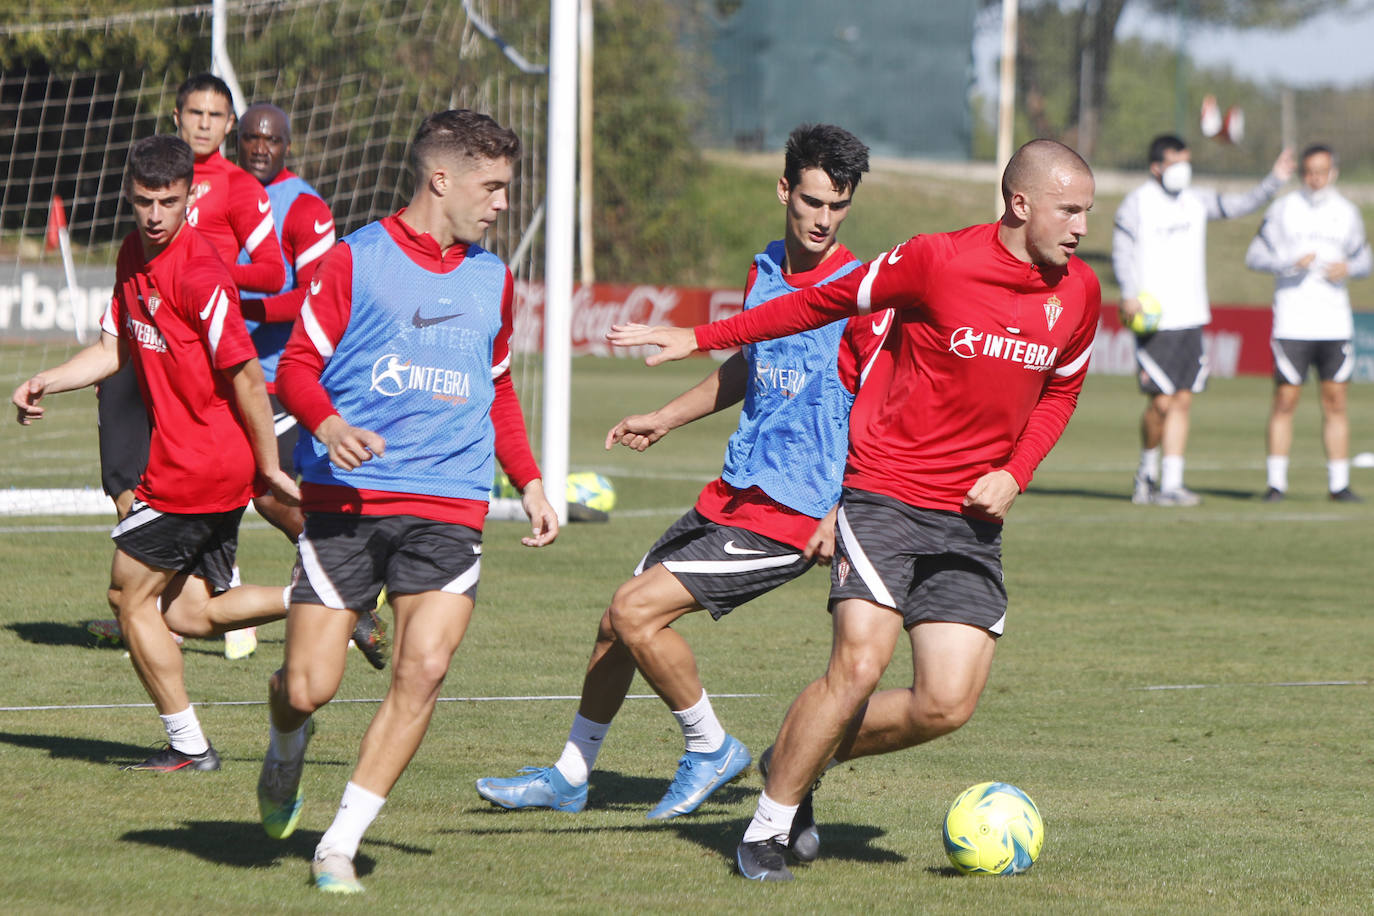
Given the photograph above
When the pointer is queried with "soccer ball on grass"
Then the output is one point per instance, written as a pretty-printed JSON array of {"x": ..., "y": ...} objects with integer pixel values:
[{"x": 993, "y": 829}]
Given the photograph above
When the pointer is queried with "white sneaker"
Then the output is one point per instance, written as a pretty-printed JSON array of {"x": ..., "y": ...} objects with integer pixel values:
[
  {"x": 240, "y": 643},
  {"x": 1143, "y": 492},
  {"x": 333, "y": 873},
  {"x": 1180, "y": 497}
]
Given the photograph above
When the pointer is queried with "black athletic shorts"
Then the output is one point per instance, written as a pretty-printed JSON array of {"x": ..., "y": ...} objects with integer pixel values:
[
  {"x": 202, "y": 544},
  {"x": 344, "y": 560},
  {"x": 723, "y": 567},
  {"x": 1334, "y": 360},
  {"x": 926, "y": 564},
  {"x": 288, "y": 431},
  {"x": 1171, "y": 361},
  {"x": 123, "y": 431}
]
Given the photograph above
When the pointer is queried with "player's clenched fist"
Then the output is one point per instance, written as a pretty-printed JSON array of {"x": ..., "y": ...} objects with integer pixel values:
[
  {"x": 26, "y": 398},
  {"x": 638, "y": 431}
]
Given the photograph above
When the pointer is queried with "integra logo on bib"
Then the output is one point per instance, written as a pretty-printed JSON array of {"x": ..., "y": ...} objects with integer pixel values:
[{"x": 392, "y": 377}]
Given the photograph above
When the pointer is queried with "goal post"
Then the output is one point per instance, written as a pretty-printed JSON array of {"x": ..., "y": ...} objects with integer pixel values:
[{"x": 355, "y": 77}]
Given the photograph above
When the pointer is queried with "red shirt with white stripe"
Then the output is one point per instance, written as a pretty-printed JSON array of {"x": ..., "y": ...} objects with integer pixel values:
[
  {"x": 307, "y": 232},
  {"x": 179, "y": 317},
  {"x": 860, "y": 353},
  {"x": 323, "y": 322},
  {"x": 230, "y": 208},
  {"x": 992, "y": 352}
]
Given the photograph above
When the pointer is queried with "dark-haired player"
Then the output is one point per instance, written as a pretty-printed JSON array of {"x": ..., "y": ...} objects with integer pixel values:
[
  {"x": 175, "y": 317},
  {"x": 399, "y": 367},
  {"x": 230, "y": 209},
  {"x": 762, "y": 523},
  {"x": 995, "y": 325}
]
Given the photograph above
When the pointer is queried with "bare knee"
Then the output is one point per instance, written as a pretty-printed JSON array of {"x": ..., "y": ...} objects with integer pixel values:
[
  {"x": 421, "y": 673},
  {"x": 855, "y": 676},
  {"x": 300, "y": 692},
  {"x": 939, "y": 715},
  {"x": 631, "y": 618}
]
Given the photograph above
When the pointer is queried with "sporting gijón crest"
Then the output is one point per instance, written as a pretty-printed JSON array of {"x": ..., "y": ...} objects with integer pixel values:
[{"x": 1053, "y": 309}]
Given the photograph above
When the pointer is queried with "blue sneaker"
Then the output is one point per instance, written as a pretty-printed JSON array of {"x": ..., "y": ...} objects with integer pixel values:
[
  {"x": 536, "y": 787},
  {"x": 698, "y": 775}
]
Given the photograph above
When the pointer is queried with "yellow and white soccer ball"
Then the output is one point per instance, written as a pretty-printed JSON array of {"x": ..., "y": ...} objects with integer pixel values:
[
  {"x": 993, "y": 828},
  {"x": 1145, "y": 321},
  {"x": 590, "y": 489}
]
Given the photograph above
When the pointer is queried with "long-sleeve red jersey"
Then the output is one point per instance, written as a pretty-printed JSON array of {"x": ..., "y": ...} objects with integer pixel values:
[{"x": 992, "y": 352}]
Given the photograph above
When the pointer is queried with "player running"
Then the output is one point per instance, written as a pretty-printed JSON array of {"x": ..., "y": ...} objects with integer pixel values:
[
  {"x": 756, "y": 526},
  {"x": 995, "y": 326},
  {"x": 175, "y": 317},
  {"x": 399, "y": 366},
  {"x": 231, "y": 211}
]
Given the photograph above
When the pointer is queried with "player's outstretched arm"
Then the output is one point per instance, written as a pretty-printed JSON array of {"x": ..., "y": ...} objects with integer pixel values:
[
  {"x": 544, "y": 521},
  {"x": 98, "y": 361},
  {"x": 673, "y": 343},
  {"x": 720, "y": 389},
  {"x": 349, "y": 446}
]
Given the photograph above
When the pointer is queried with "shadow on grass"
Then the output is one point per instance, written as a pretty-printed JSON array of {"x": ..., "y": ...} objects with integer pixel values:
[
  {"x": 242, "y": 844},
  {"x": 93, "y": 750},
  {"x": 51, "y": 633},
  {"x": 617, "y": 793}
]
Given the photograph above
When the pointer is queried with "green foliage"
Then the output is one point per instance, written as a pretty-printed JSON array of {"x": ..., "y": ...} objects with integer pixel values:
[{"x": 645, "y": 163}]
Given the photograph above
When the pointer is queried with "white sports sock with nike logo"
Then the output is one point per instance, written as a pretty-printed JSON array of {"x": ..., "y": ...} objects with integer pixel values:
[
  {"x": 701, "y": 730},
  {"x": 579, "y": 754}
]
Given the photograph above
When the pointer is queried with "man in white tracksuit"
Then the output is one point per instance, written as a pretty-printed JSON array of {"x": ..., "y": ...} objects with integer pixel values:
[
  {"x": 1312, "y": 241},
  {"x": 1159, "y": 249}
]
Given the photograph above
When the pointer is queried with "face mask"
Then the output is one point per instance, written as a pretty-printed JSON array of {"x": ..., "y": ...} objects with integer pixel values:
[
  {"x": 1317, "y": 196},
  {"x": 1176, "y": 177}
]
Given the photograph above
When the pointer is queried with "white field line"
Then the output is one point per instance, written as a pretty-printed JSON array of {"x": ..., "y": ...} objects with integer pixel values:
[
  {"x": 1247, "y": 686},
  {"x": 510, "y": 699}
]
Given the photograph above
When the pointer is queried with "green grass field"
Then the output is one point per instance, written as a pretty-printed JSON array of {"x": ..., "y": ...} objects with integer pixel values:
[{"x": 1184, "y": 692}]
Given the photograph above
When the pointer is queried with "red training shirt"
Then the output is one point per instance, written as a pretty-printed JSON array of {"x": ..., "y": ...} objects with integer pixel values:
[
  {"x": 179, "y": 316},
  {"x": 307, "y": 232},
  {"x": 231, "y": 209},
  {"x": 991, "y": 357}
]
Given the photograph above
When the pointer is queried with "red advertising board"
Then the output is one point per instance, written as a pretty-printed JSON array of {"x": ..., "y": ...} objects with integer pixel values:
[{"x": 1237, "y": 340}]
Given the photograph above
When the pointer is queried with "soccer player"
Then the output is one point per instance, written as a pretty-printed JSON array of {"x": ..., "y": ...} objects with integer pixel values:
[
  {"x": 232, "y": 211},
  {"x": 399, "y": 367},
  {"x": 762, "y": 523},
  {"x": 305, "y": 229},
  {"x": 1313, "y": 242},
  {"x": 995, "y": 326},
  {"x": 175, "y": 317},
  {"x": 1159, "y": 246}
]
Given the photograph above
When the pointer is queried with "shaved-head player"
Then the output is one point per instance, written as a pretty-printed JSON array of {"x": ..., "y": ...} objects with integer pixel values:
[{"x": 996, "y": 324}]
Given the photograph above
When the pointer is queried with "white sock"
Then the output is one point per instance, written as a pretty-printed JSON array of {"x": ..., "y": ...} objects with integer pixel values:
[
  {"x": 770, "y": 820},
  {"x": 1277, "y": 468},
  {"x": 1171, "y": 473},
  {"x": 288, "y": 745},
  {"x": 1337, "y": 475},
  {"x": 701, "y": 730},
  {"x": 183, "y": 731},
  {"x": 579, "y": 754},
  {"x": 357, "y": 811},
  {"x": 1149, "y": 464}
]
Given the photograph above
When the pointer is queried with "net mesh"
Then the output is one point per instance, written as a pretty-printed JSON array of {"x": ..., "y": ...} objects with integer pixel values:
[{"x": 355, "y": 76}]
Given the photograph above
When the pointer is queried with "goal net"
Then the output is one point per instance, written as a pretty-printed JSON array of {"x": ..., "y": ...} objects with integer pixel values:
[{"x": 356, "y": 77}]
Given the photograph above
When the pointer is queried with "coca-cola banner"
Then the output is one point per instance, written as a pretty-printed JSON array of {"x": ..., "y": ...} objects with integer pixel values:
[{"x": 36, "y": 303}]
